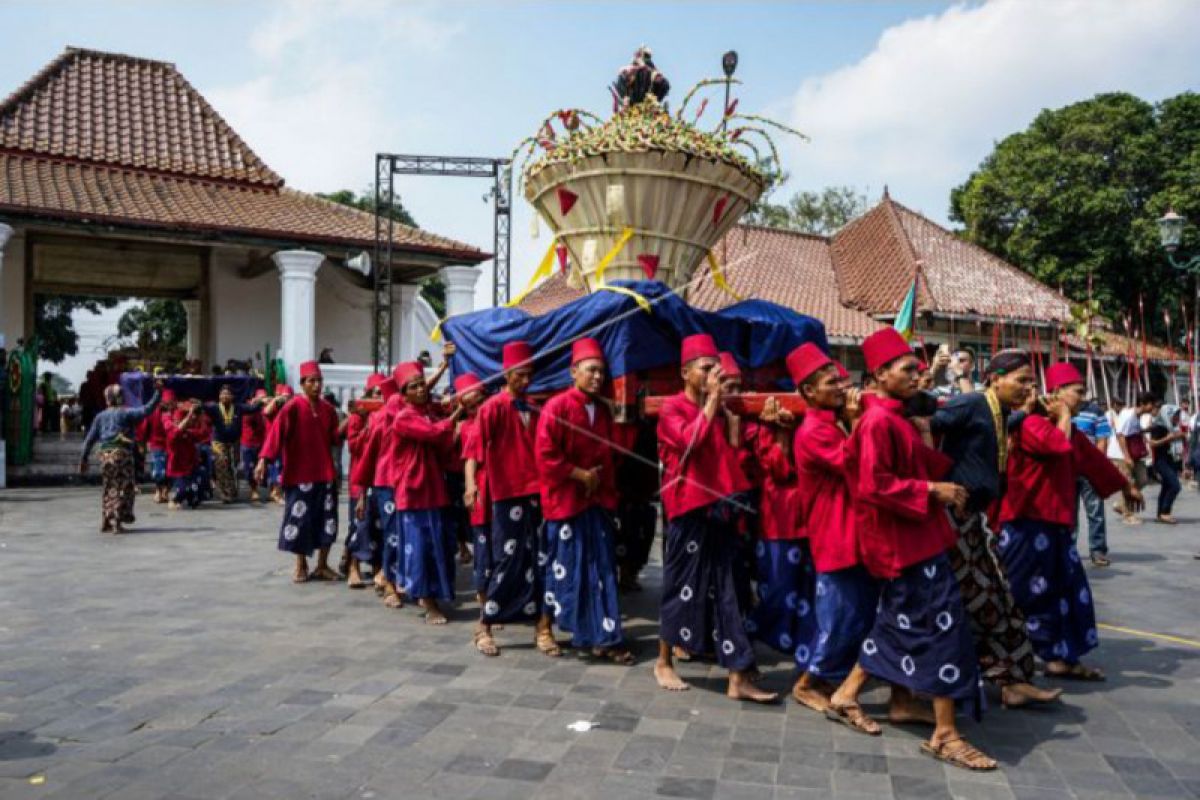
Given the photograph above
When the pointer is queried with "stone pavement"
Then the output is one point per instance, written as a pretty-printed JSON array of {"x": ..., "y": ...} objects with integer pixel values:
[{"x": 179, "y": 662}]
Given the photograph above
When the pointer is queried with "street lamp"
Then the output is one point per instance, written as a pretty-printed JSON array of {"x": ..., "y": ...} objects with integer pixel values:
[
  {"x": 1170, "y": 234},
  {"x": 729, "y": 63}
]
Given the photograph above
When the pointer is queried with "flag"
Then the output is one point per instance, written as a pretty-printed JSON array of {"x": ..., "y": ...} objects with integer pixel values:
[{"x": 907, "y": 315}]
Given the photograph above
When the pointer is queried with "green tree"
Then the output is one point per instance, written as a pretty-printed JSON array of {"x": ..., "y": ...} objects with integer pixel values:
[
  {"x": 1080, "y": 191},
  {"x": 156, "y": 327},
  {"x": 56, "y": 335},
  {"x": 821, "y": 213},
  {"x": 432, "y": 289}
]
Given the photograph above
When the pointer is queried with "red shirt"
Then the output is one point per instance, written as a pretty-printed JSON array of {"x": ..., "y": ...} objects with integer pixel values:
[
  {"x": 898, "y": 522},
  {"x": 780, "y": 513},
  {"x": 828, "y": 514},
  {"x": 1043, "y": 465},
  {"x": 356, "y": 440},
  {"x": 181, "y": 446},
  {"x": 303, "y": 434},
  {"x": 254, "y": 430},
  {"x": 568, "y": 437},
  {"x": 506, "y": 443},
  {"x": 481, "y": 512},
  {"x": 421, "y": 442},
  {"x": 153, "y": 430},
  {"x": 203, "y": 429},
  {"x": 700, "y": 466},
  {"x": 375, "y": 463}
]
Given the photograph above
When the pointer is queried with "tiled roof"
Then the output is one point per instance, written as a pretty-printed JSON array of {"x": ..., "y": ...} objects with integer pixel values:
[
  {"x": 127, "y": 141},
  {"x": 131, "y": 112},
  {"x": 963, "y": 278},
  {"x": 875, "y": 262},
  {"x": 791, "y": 269},
  {"x": 549, "y": 295}
]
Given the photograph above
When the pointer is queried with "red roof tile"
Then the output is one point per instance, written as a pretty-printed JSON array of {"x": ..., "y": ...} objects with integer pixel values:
[
  {"x": 875, "y": 262},
  {"x": 102, "y": 136},
  {"x": 549, "y": 295},
  {"x": 791, "y": 269}
]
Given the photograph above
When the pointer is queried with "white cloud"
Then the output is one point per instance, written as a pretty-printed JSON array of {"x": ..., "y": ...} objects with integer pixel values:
[
  {"x": 927, "y": 104},
  {"x": 304, "y": 23}
]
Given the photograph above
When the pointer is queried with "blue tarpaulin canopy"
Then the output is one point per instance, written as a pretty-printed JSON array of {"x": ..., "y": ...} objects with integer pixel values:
[{"x": 755, "y": 331}]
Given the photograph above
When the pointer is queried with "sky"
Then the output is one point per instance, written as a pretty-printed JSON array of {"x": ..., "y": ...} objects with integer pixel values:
[{"x": 911, "y": 95}]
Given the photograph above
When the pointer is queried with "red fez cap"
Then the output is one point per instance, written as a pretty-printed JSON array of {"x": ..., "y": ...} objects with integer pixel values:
[
  {"x": 517, "y": 354},
  {"x": 373, "y": 380},
  {"x": 583, "y": 349},
  {"x": 467, "y": 382},
  {"x": 883, "y": 346},
  {"x": 922, "y": 366},
  {"x": 405, "y": 371},
  {"x": 843, "y": 373},
  {"x": 698, "y": 345},
  {"x": 260, "y": 393},
  {"x": 804, "y": 361},
  {"x": 729, "y": 364},
  {"x": 388, "y": 388},
  {"x": 309, "y": 368},
  {"x": 1062, "y": 374},
  {"x": 168, "y": 395},
  {"x": 283, "y": 389}
]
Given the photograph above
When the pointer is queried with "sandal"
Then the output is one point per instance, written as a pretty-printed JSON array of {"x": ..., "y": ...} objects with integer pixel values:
[
  {"x": 964, "y": 756},
  {"x": 391, "y": 599},
  {"x": 547, "y": 645},
  {"x": 300, "y": 577},
  {"x": 1100, "y": 560},
  {"x": 1078, "y": 672},
  {"x": 616, "y": 655},
  {"x": 484, "y": 642},
  {"x": 853, "y": 717}
]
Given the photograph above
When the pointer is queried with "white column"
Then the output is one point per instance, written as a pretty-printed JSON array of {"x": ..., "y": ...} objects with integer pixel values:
[
  {"x": 194, "y": 345},
  {"x": 6, "y": 232},
  {"x": 460, "y": 289},
  {"x": 405, "y": 344},
  {"x": 297, "y": 307}
]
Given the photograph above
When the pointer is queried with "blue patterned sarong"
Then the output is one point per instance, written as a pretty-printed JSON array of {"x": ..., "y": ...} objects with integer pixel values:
[
  {"x": 156, "y": 461},
  {"x": 482, "y": 560},
  {"x": 921, "y": 638},
  {"x": 581, "y": 578},
  {"x": 427, "y": 553},
  {"x": 845, "y": 601},
  {"x": 384, "y": 499},
  {"x": 362, "y": 541},
  {"x": 186, "y": 491},
  {"x": 514, "y": 590},
  {"x": 1050, "y": 587},
  {"x": 309, "y": 518},
  {"x": 784, "y": 617}
]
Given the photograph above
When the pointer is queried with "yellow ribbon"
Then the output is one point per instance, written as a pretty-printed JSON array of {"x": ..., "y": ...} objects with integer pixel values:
[
  {"x": 626, "y": 235},
  {"x": 639, "y": 299},
  {"x": 542, "y": 272},
  {"x": 719, "y": 277}
]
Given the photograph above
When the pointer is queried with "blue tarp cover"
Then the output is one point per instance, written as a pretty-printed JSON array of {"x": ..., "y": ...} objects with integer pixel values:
[
  {"x": 755, "y": 331},
  {"x": 139, "y": 386}
]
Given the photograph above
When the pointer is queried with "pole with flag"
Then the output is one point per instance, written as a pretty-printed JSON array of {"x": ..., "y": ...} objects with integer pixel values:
[{"x": 906, "y": 317}]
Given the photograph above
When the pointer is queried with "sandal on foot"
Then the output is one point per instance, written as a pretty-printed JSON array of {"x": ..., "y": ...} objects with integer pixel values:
[
  {"x": 300, "y": 577},
  {"x": 546, "y": 644},
  {"x": 485, "y": 644},
  {"x": 965, "y": 756},
  {"x": 853, "y": 717},
  {"x": 392, "y": 600},
  {"x": 617, "y": 655},
  {"x": 1099, "y": 560}
]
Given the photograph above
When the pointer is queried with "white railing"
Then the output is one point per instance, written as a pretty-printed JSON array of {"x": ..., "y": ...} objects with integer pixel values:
[{"x": 345, "y": 381}]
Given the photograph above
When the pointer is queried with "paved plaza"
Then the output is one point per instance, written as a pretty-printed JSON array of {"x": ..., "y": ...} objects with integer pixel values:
[{"x": 178, "y": 661}]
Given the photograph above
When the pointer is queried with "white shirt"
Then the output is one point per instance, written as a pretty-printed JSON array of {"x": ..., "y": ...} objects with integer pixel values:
[
  {"x": 590, "y": 408},
  {"x": 1114, "y": 447}
]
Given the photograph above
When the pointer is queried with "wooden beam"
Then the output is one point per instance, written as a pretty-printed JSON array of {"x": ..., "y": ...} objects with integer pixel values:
[
  {"x": 256, "y": 265},
  {"x": 50, "y": 287}
]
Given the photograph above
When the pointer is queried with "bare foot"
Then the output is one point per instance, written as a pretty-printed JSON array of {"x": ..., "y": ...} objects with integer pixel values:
[
  {"x": 909, "y": 711},
  {"x": 810, "y": 696},
  {"x": 354, "y": 580},
  {"x": 1016, "y": 695},
  {"x": 433, "y": 614},
  {"x": 741, "y": 688},
  {"x": 668, "y": 678},
  {"x": 680, "y": 654},
  {"x": 390, "y": 597},
  {"x": 324, "y": 572}
]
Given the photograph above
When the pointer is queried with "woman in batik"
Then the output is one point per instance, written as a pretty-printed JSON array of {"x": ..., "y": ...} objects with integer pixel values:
[
  {"x": 113, "y": 435},
  {"x": 227, "y": 417}
]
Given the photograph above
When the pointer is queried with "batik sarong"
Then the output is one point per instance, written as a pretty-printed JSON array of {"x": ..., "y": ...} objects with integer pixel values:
[
  {"x": 119, "y": 487},
  {"x": 581, "y": 578},
  {"x": 784, "y": 617},
  {"x": 427, "y": 553},
  {"x": 362, "y": 540},
  {"x": 384, "y": 498},
  {"x": 921, "y": 638},
  {"x": 514, "y": 591},
  {"x": 310, "y": 520},
  {"x": 634, "y": 523},
  {"x": 700, "y": 610},
  {"x": 185, "y": 490},
  {"x": 156, "y": 460},
  {"x": 845, "y": 602},
  {"x": 1050, "y": 586},
  {"x": 997, "y": 624},
  {"x": 225, "y": 459},
  {"x": 482, "y": 561}
]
